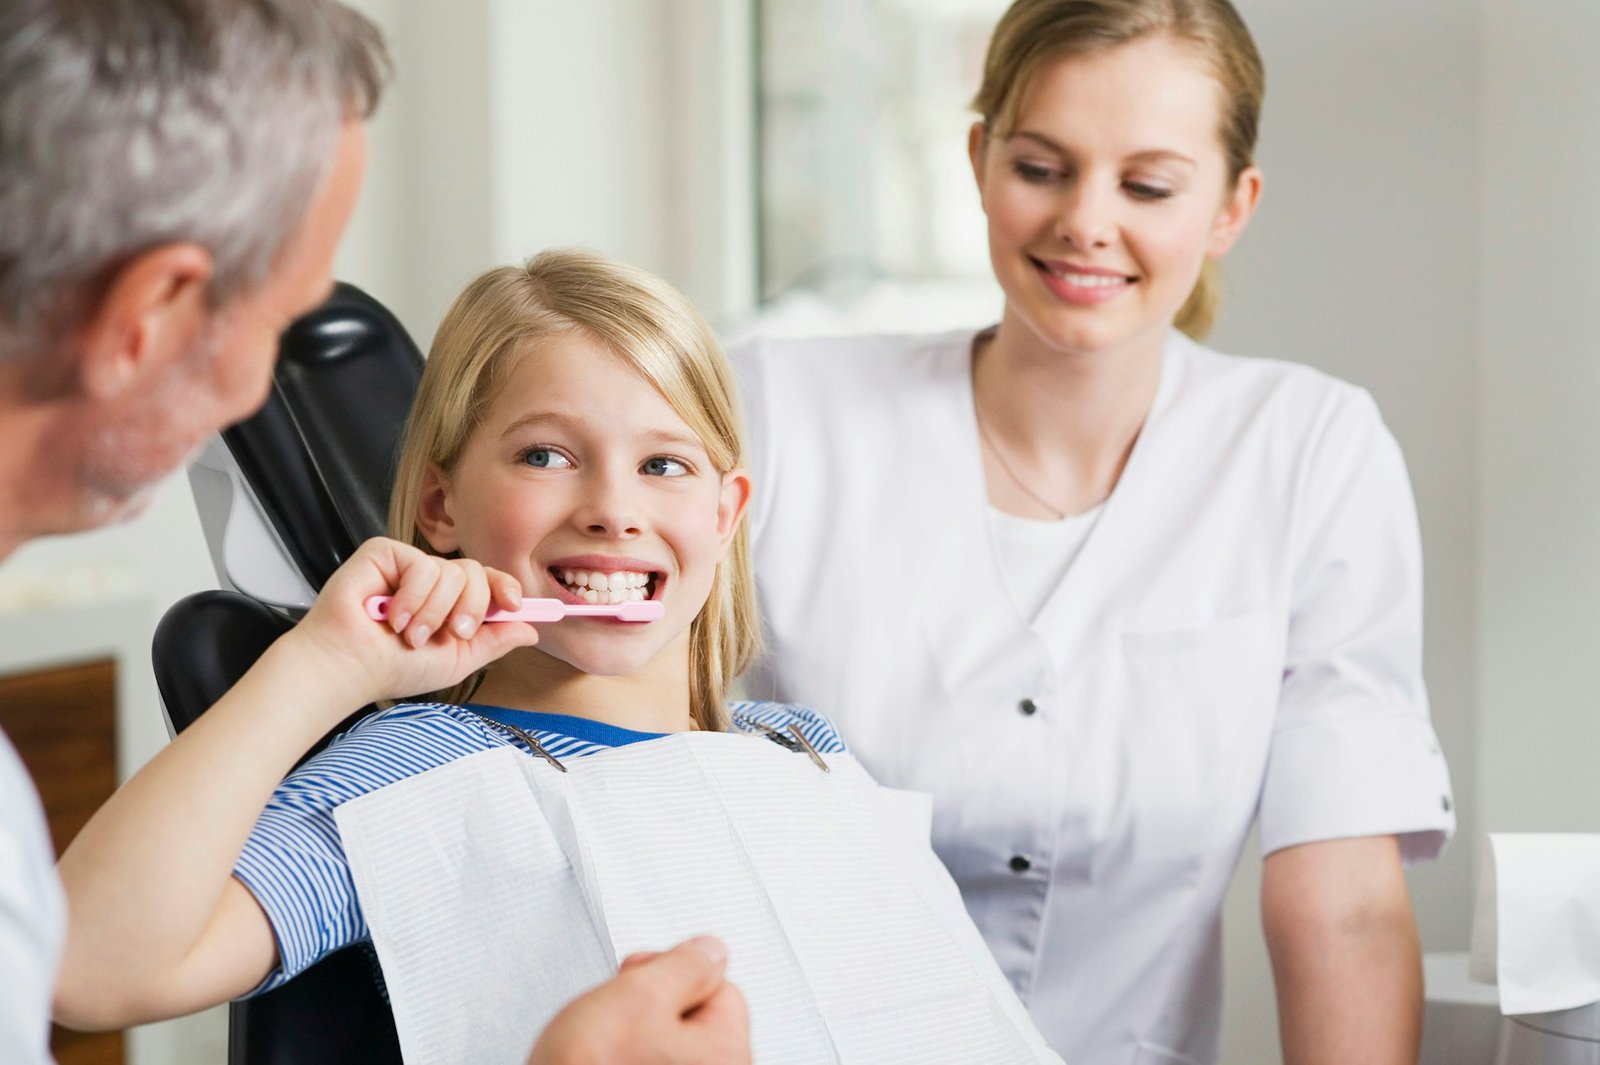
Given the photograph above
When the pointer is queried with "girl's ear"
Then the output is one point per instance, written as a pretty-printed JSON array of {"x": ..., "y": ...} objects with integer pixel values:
[
  {"x": 433, "y": 512},
  {"x": 731, "y": 503},
  {"x": 1236, "y": 212}
]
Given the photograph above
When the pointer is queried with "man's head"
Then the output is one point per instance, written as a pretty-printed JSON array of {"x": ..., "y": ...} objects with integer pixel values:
[{"x": 174, "y": 178}]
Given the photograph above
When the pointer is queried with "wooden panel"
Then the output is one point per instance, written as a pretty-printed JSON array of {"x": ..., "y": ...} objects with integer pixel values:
[{"x": 63, "y": 724}]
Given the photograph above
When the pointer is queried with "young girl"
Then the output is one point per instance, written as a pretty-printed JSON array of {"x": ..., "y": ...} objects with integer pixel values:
[{"x": 575, "y": 436}]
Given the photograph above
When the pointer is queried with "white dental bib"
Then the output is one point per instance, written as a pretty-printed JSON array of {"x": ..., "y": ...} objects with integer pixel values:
[{"x": 498, "y": 888}]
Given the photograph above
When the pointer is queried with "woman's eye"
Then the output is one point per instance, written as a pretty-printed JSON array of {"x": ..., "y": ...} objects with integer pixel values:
[
  {"x": 1140, "y": 191},
  {"x": 1033, "y": 173},
  {"x": 546, "y": 458},
  {"x": 661, "y": 466}
]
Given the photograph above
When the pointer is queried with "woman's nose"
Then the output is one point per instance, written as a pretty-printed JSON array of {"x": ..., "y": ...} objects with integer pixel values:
[{"x": 1085, "y": 218}]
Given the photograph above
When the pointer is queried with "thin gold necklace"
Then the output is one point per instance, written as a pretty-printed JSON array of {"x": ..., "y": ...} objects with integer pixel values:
[{"x": 994, "y": 449}]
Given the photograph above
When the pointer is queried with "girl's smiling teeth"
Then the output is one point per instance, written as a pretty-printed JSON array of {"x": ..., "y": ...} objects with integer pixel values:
[{"x": 593, "y": 586}]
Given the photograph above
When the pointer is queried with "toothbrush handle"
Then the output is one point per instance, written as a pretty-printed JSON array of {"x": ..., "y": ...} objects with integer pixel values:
[
  {"x": 532, "y": 610},
  {"x": 377, "y": 607},
  {"x": 555, "y": 610},
  {"x": 540, "y": 610}
]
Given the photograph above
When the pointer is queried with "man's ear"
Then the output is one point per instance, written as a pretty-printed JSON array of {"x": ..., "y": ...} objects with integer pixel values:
[
  {"x": 731, "y": 503},
  {"x": 147, "y": 318},
  {"x": 433, "y": 512}
]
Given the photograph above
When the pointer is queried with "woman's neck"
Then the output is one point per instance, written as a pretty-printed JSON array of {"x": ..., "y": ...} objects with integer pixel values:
[
  {"x": 654, "y": 698},
  {"x": 1063, "y": 423}
]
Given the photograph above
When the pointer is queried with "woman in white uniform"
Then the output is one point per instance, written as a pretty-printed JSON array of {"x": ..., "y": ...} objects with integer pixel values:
[{"x": 1110, "y": 596}]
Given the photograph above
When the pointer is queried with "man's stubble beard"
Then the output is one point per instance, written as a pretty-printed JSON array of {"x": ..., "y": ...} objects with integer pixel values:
[{"x": 126, "y": 463}]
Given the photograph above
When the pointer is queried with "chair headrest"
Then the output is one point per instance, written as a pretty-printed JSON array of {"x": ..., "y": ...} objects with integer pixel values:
[{"x": 320, "y": 454}]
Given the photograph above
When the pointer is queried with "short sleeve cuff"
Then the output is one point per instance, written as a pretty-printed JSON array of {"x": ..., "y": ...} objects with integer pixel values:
[
  {"x": 304, "y": 935},
  {"x": 1358, "y": 776},
  {"x": 293, "y": 952}
]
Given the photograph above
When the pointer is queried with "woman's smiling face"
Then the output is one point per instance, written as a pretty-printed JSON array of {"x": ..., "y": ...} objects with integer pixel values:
[
  {"x": 1109, "y": 193},
  {"x": 583, "y": 482}
]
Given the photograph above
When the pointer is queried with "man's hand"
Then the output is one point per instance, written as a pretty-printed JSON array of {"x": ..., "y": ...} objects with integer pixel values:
[{"x": 661, "y": 1009}]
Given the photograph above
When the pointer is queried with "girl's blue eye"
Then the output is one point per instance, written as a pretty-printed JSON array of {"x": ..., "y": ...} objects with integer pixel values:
[
  {"x": 545, "y": 458},
  {"x": 661, "y": 466}
]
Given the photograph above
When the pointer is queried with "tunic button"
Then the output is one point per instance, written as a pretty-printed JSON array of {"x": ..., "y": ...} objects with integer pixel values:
[
  {"x": 1444, "y": 801},
  {"x": 1028, "y": 707},
  {"x": 1020, "y": 863}
]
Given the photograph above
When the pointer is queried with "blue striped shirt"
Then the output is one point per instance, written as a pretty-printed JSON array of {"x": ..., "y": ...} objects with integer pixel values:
[{"x": 294, "y": 862}]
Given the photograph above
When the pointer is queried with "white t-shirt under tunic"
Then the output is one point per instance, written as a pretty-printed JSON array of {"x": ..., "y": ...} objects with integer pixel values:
[
  {"x": 294, "y": 863},
  {"x": 1237, "y": 642},
  {"x": 1036, "y": 555}
]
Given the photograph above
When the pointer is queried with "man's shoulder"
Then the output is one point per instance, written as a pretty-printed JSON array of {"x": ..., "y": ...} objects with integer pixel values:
[{"x": 32, "y": 915}]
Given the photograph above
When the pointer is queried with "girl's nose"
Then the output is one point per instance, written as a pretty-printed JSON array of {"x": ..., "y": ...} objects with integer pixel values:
[
  {"x": 1085, "y": 217},
  {"x": 609, "y": 508}
]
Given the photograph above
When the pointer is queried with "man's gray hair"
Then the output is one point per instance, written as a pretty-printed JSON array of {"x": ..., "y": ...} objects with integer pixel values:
[{"x": 127, "y": 124}]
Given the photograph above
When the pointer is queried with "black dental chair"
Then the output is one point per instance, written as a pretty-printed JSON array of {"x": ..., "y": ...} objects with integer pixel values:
[{"x": 317, "y": 460}]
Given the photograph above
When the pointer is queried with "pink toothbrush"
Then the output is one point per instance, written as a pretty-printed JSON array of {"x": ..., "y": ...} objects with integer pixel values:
[{"x": 549, "y": 610}]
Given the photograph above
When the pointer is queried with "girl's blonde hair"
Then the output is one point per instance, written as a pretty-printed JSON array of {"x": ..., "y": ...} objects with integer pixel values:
[
  {"x": 655, "y": 330},
  {"x": 1033, "y": 33}
]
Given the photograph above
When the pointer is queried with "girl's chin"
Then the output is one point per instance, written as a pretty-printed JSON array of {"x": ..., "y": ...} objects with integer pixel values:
[{"x": 597, "y": 662}]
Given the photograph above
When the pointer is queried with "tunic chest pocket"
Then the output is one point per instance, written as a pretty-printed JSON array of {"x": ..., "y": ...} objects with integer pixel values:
[
  {"x": 1236, "y": 631},
  {"x": 1193, "y": 705}
]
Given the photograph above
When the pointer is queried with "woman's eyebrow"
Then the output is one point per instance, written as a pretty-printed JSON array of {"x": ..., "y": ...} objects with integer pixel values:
[
  {"x": 1162, "y": 155},
  {"x": 1148, "y": 155},
  {"x": 1039, "y": 138}
]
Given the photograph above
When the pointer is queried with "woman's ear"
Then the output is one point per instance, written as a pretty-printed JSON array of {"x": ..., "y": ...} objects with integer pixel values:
[
  {"x": 1236, "y": 212},
  {"x": 433, "y": 512},
  {"x": 977, "y": 147},
  {"x": 731, "y": 503},
  {"x": 146, "y": 319}
]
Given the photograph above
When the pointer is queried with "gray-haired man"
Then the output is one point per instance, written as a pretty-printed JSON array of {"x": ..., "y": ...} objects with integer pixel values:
[{"x": 174, "y": 178}]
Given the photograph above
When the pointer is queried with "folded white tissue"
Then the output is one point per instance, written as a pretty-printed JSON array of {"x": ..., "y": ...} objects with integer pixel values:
[
  {"x": 1536, "y": 926},
  {"x": 497, "y": 888}
]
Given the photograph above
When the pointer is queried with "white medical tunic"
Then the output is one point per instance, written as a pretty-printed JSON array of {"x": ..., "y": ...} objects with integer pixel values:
[
  {"x": 33, "y": 917},
  {"x": 1240, "y": 637}
]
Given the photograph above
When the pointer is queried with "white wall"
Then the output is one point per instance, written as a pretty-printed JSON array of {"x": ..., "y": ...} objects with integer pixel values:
[
  {"x": 517, "y": 125},
  {"x": 1539, "y": 557}
]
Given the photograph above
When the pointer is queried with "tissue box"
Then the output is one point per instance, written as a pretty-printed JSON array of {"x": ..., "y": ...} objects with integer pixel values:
[{"x": 1536, "y": 925}]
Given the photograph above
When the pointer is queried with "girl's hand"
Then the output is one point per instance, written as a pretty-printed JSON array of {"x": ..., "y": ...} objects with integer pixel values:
[{"x": 434, "y": 635}]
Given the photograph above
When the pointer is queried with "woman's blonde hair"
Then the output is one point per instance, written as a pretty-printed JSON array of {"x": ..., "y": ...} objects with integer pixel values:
[
  {"x": 655, "y": 330},
  {"x": 1033, "y": 33}
]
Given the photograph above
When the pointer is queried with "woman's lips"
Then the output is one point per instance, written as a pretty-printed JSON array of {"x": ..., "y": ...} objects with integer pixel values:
[{"x": 1082, "y": 285}]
